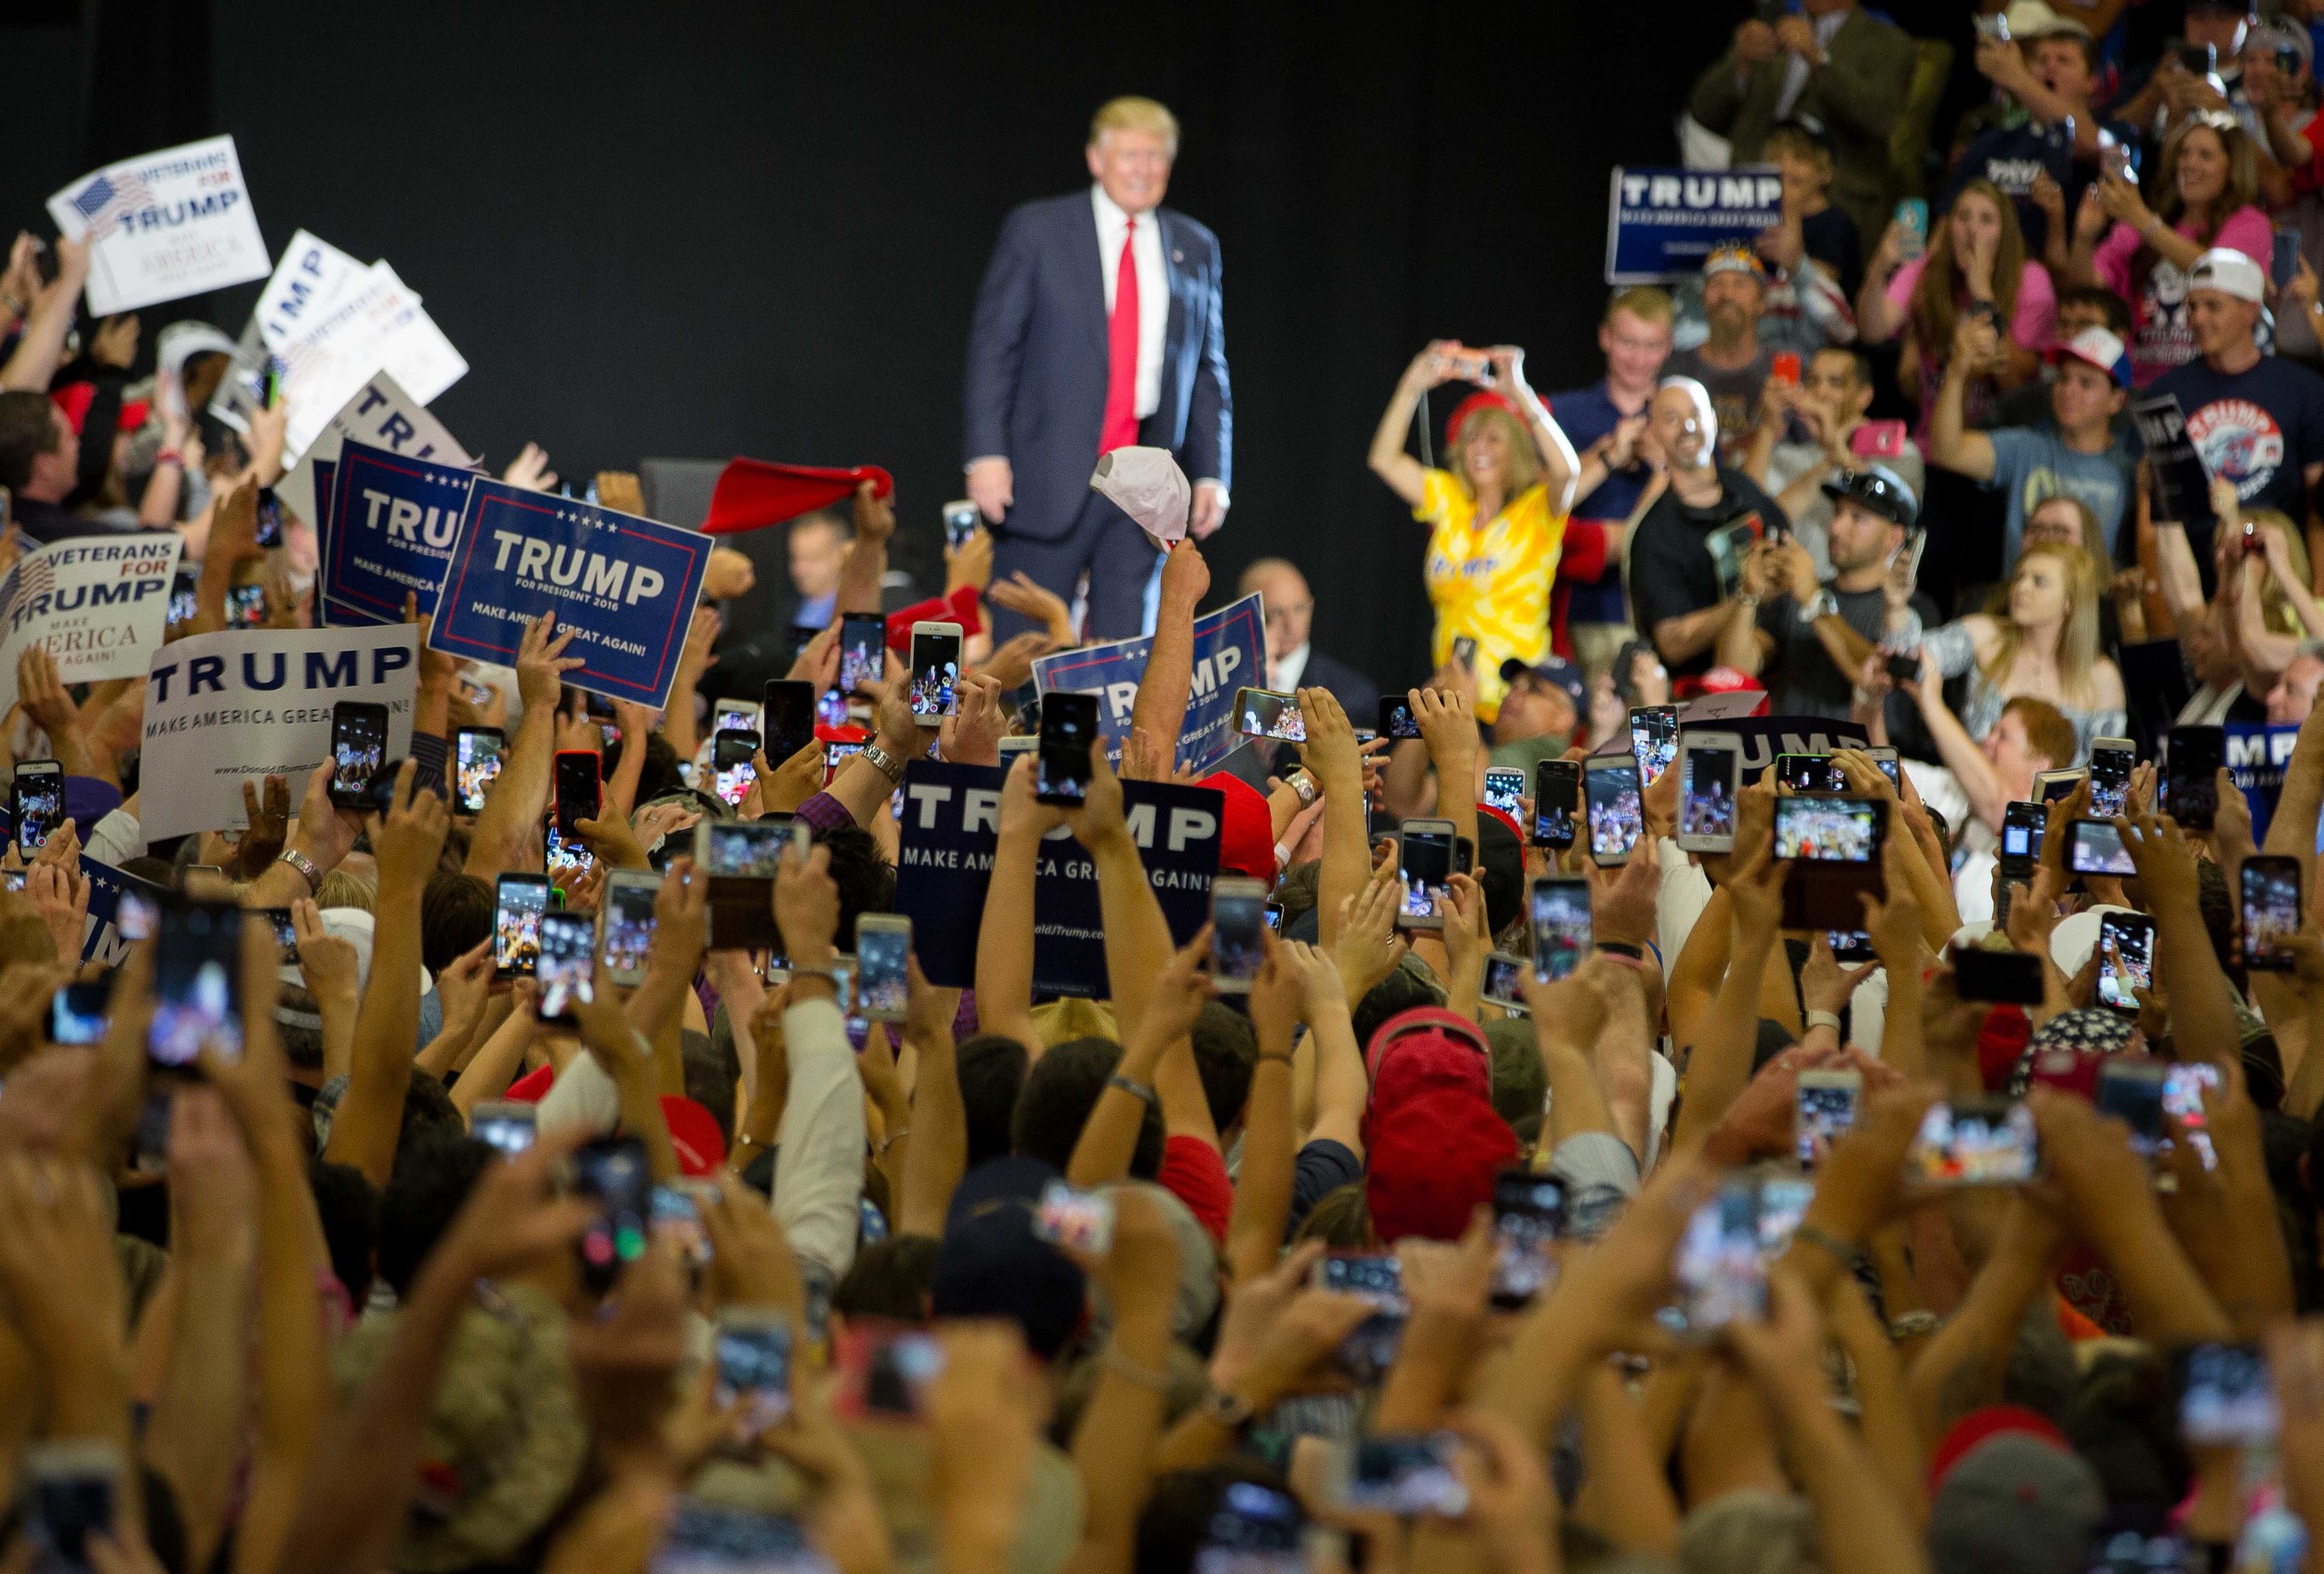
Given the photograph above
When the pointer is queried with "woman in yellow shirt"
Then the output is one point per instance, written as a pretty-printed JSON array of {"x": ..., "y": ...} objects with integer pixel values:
[{"x": 1507, "y": 465}]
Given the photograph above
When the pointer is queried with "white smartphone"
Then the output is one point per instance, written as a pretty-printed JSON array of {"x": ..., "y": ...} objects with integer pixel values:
[
  {"x": 1424, "y": 863},
  {"x": 935, "y": 674},
  {"x": 627, "y": 923},
  {"x": 883, "y": 974},
  {"x": 1828, "y": 1102},
  {"x": 1711, "y": 770},
  {"x": 1239, "y": 912}
]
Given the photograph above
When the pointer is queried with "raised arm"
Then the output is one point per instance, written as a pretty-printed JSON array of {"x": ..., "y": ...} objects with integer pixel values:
[
  {"x": 866, "y": 563},
  {"x": 1004, "y": 936},
  {"x": 1721, "y": 1064},
  {"x": 1109, "y": 1137},
  {"x": 40, "y": 347},
  {"x": 1561, "y": 466},
  {"x": 519, "y": 794},
  {"x": 938, "y": 1153},
  {"x": 1951, "y": 442},
  {"x": 1159, "y": 711},
  {"x": 1406, "y": 476}
]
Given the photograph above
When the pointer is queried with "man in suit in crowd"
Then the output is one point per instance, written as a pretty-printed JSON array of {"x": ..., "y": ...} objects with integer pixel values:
[
  {"x": 1293, "y": 662},
  {"x": 1834, "y": 62},
  {"x": 1098, "y": 326}
]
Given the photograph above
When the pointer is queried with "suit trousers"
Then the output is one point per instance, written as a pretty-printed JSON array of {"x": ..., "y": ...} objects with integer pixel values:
[{"x": 1104, "y": 541}]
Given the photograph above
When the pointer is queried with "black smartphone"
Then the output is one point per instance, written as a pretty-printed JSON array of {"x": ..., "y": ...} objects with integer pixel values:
[
  {"x": 576, "y": 790},
  {"x": 270, "y": 518},
  {"x": 183, "y": 603},
  {"x": 2191, "y": 774},
  {"x": 197, "y": 981},
  {"x": 611, "y": 1172},
  {"x": 70, "y": 1493},
  {"x": 2129, "y": 1087},
  {"x": 567, "y": 968},
  {"x": 2000, "y": 977},
  {"x": 285, "y": 929},
  {"x": 2023, "y": 823},
  {"x": 1424, "y": 864},
  {"x": 36, "y": 803},
  {"x": 1556, "y": 798},
  {"x": 863, "y": 652},
  {"x": 787, "y": 718},
  {"x": 2271, "y": 911},
  {"x": 732, "y": 770},
  {"x": 1809, "y": 772},
  {"x": 2284, "y": 262},
  {"x": 1528, "y": 1214},
  {"x": 476, "y": 753},
  {"x": 359, "y": 750},
  {"x": 1654, "y": 739},
  {"x": 519, "y": 902},
  {"x": 1904, "y": 668},
  {"x": 2199, "y": 59},
  {"x": 1396, "y": 720},
  {"x": 1069, "y": 726}
]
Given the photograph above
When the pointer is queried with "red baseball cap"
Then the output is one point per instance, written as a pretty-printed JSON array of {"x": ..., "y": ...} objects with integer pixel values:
[
  {"x": 752, "y": 493},
  {"x": 694, "y": 1131},
  {"x": 1246, "y": 831},
  {"x": 1431, "y": 1161},
  {"x": 75, "y": 399},
  {"x": 1981, "y": 1426},
  {"x": 1484, "y": 399}
]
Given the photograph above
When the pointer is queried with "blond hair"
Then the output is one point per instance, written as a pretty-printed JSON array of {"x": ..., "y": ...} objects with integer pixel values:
[
  {"x": 1132, "y": 112},
  {"x": 1648, "y": 303},
  {"x": 2274, "y": 604},
  {"x": 1523, "y": 468},
  {"x": 2077, "y": 639}
]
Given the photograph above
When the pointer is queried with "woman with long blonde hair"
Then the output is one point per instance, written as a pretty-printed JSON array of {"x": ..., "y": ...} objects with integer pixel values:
[{"x": 2044, "y": 642}]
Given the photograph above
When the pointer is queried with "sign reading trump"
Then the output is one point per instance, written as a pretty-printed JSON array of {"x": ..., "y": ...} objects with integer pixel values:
[
  {"x": 625, "y": 586},
  {"x": 97, "y": 605},
  {"x": 164, "y": 226}
]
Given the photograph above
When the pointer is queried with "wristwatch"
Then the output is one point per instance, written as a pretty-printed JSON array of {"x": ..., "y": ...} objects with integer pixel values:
[
  {"x": 304, "y": 864},
  {"x": 1822, "y": 604},
  {"x": 885, "y": 764},
  {"x": 1300, "y": 783}
]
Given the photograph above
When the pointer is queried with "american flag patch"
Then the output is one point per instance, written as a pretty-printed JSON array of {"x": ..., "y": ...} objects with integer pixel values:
[{"x": 104, "y": 200}]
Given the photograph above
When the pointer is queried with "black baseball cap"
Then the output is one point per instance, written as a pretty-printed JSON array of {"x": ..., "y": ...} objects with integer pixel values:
[{"x": 1879, "y": 489}]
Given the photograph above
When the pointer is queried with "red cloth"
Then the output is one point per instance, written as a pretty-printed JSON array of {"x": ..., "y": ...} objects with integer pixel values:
[
  {"x": 752, "y": 493},
  {"x": 1121, "y": 352},
  {"x": 1246, "y": 830},
  {"x": 1982, "y": 1426},
  {"x": 2003, "y": 1037},
  {"x": 1484, "y": 399},
  {"x": 959, "y": 607},
  {"x": 694, "y": 1131},
  {"x": 75, "y": 399},
  {"x": 1431, "y": 1163},
  {"x": 533, "y": 1086},
  {"x": 1193, "y": 1172}
]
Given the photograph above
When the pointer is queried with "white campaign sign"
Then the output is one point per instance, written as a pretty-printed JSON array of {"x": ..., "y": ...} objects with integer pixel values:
[
  {"x": 98, "y": 603},
  {"x": 222, "y": 709},
  {"x": 168, "y": 225},
  {"x": 383, "y": 416}
]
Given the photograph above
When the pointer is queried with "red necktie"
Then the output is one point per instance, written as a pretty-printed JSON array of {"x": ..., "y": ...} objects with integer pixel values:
[{"x": 1121, "y": 352}]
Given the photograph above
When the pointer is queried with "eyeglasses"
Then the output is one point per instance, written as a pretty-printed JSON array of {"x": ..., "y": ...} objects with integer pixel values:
[{"x": 1284, "y": 615}]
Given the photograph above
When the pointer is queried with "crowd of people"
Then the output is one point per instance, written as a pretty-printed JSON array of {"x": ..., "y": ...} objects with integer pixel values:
[{"x": 1704, "y": 1249}]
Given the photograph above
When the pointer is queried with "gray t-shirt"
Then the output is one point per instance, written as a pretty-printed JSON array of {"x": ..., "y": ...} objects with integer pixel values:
[{"x": 2033, "y": 464}]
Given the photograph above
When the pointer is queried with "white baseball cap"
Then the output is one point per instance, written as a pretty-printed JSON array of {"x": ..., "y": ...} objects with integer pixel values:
[
  {"x": 2029, "y": 19},
  {"x": 2230, "y": 272}
]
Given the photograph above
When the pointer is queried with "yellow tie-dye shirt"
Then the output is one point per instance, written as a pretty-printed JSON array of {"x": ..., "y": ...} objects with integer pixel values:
[{"x": 1490, "y": 583}]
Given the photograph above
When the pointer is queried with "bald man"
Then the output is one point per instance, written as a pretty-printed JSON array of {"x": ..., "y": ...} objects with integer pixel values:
[{"x": 1293, "y": 660}]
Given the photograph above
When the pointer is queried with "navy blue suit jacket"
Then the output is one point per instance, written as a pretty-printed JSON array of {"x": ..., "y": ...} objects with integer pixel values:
[{"x": 1036, "y": 385}]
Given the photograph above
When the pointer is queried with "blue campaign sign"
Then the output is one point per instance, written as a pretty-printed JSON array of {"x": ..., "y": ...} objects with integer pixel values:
[
  {"x": 1661, "y": 223},
  {"x": 2256, "y": 756},
  {"x": 1229, "y": 649},
  {"x": 951, "y": 824},
  {"x": 626, "y": 585},
  {"x": 101, "y": 940},
  {"x": 393, "y": 521}
]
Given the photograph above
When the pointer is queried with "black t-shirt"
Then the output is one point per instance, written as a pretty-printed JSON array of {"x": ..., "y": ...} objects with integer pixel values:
[
  {"x": 1800, "y": 678},
  {"x": 2261, "y": 428},
  {"x": 1831, "y": 238},
  {"x": 2011, "y": 156},
  {"x": 43, "y": 522},
  {"x": 1686, "y": 559}
]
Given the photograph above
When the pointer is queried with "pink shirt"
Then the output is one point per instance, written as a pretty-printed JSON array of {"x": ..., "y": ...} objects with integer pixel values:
[
  {"x": 2031, "y": 319},
  {"x": 2160, "y": 338}
]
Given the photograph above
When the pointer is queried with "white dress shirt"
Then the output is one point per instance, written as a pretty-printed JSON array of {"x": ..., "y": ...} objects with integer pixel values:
[
  {"x": 1154, "y": 288},
  {"x": 1283, "y": 676}
]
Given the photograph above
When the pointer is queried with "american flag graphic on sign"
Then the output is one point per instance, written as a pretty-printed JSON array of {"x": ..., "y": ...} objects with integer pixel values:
[
  {"x": 30, "y": 579},
  {"x": 104, "y": 200}
]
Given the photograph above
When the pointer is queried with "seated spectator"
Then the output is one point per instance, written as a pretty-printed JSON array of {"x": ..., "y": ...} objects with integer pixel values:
[
  {"x": 1686, "y": 567},
  {"x": 1812, "y": 432},
  {"x": 1293, "y": 662},
  {"x": 1731, "y": 362},
  {"x": 1540, "y": 714},
  {"x": 1976, "y": 266},
  {"x": 2045, "y": 644},
  {"x": 2079, "y": 307},
  {"x": 2207, "y": 182},
  {"x": 2045, "y": 163},
  {"x": 1496, "y": 512},
  {"x": 2076, "y": 454},
  {"x": 1586, "y": 605}
]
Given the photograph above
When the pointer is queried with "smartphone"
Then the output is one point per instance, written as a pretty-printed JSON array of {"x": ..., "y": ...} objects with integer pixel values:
[
  {"x": 1074, "y": 1220},
  {"x": 2051, "y": 786},
  {"x": 1904, "y": 668},
  {"x": 1369, "y": 1351},
  {"x": 2271, "y": 911},
  {"x": 1809, "y": 772},
  {"x": 1069, "y": 726},
  {"x": 183, "y": 603},
  {"x": 2227, "y": 1396},
  {"x": 1882, "y": 439},
  {"x": 567, "y": 967},
  {"x": 2199, "y": 59},
  {"x": 702, "y": 1537},
  {"x": 1273, "y": 912},
  {"x": 567, "y": 858},
  {"x": 1829, "y": 830},
  {"x": 245, "y": 606},
  {"x": 519, "y": 902},
  {"x": 863, "y": 651},
  {"x": 1912, "y": 219},
  {"x": 2191, "y": 774},
  {"x": 1975, "y": 1142},
  {"x": 507, "y": 1126},
  {"x": 1504, "y": 981},
  {"x": 2131, "y": 935},
  {"x": 270, "y": 522},
  {"x": 2023, "y": 825},
  {"x": 1396, "y": 720},
  {"x": 1616, "y": 817},
  {"x": 1253, "y": 1529},
  {"x": 2182, "y": 1089},
  {"x": 1528, "y": 1215},
  {"x": 1464, "y": 646},
  {"x": 1827, "y": 1102},
  {"x": 627, "y": 923},
  {"x": 476, "y": 759},
  {"x": 1561, "y": 925},
  {"x": 36, "y": 803},
  {"x": 70, "y": 1491},
  {"x": 359, "y": 750},
  {"x": 1261, "y": 713},
  {"x": 197, "y": 981},
  {"x": 1236, "y": 918},
  {"x": 2110, "y": 762},
  {"x": 76, "y": 1013},
  {"x": 936, "y": 672},
  {"x": 1504, "y": 786},
  {"x": 577, "y": 789},
  {"x": 285, "y": 932},
  {"x": 2095, "y": 847},
  {"x": 732, "y": 753},
  {"x": 611, "y": 1172},
  {"x": 1424, "y": 863},
  {"x": 883, "y": 979},
  {"x": 1722, "y": 1277},
  {"x": 1403, "y": 1476},
  {"x": 1998, "y": 977},
  {"x": 884, "y": 1369},
  {"x": 2129, "y": 1087},
  {"x": 725, "y": 713},
  {"x": 740, "y": 858},
  {"x": 835, "y": 755},
  {"x": 1785, "y": 368},
  {"x": 960, "y": 522},
  {"x": 1556, "y": 798},
  {"x": 1711, "y": 767},
  {"x": 753, "y": 1347},
  {"x": 1654, "y": 739}
]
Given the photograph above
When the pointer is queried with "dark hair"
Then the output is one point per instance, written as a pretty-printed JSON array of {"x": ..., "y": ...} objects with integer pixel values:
[
  {"x": 1860, "y": 364},
  {"x": 889, "y": 1279},
  {"x": 991, "y": 1067},
  {"x": 28, "y": 429},
  {"x": 1060, "y": 1090},
  {"x": 348, "y": 1206},
  {"x": 456, "y": 915},
  {"x": 434, "y": 1174},
  {"x": 659, "y": 775},
  {"x": 428, "y": 1107},
  {"x": 147, "y": 867},
  {"x": 1177, "y": 1516},
  {"x": 1341, "y": 1217},
  {"x": 1297, "y": 890},
  {"x": 1400, "y": 991},
  {"x": 713, "y": 1068},
  {"x": 2118, "y": 310},
  {"x": 2124, "y": 1419},
  {"x": 1226, "y": 1054},
  {"x": 866, "y": 881}
]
